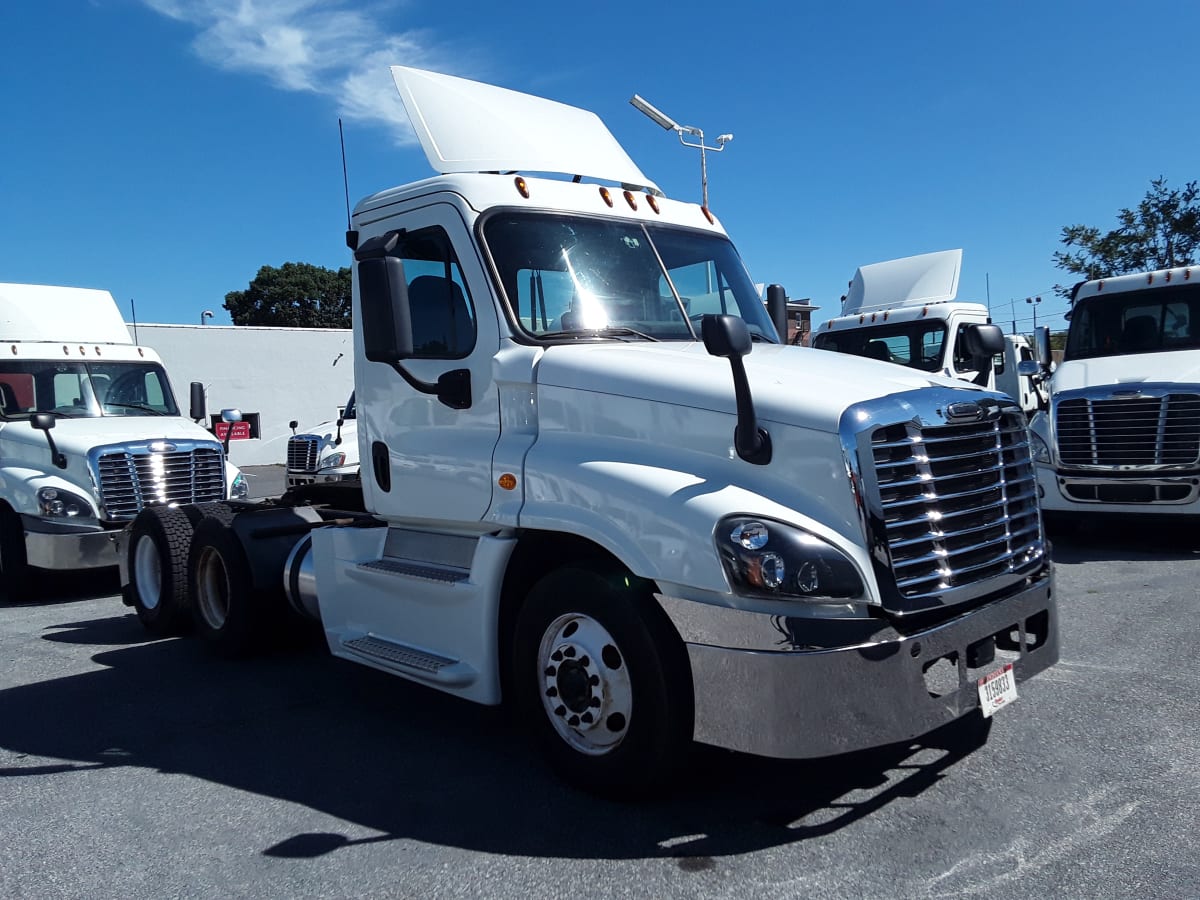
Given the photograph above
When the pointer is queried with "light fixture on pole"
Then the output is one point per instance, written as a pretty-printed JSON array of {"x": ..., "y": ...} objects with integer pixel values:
[
  {"x": 1035, "y": 301},
  {"x": 661, "y": 119}
]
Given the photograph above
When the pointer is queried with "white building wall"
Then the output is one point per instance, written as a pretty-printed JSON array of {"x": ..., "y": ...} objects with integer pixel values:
[{"x": 281, "y": 374}]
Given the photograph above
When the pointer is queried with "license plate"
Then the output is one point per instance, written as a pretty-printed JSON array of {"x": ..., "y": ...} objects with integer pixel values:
[{"x": 997, "y": 690}]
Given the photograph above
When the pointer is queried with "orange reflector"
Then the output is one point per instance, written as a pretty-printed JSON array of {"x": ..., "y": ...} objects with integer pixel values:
[
  {"x": 606, "y": 196},
  {"x": 708, "y": 215},
  {"x": 653, "y": 201},
  {"x": 1168, "y": 276},
  {"x": 1150, "y": 278},
  {"x": 885, "y": 315},
  {"x": 1187, "y": 273},
  {"x": 924, "y": 310},
  {"x": 522, "y": 187},
  {"x": 507, "y": 481},
  {"x": 631, "y": 200}
]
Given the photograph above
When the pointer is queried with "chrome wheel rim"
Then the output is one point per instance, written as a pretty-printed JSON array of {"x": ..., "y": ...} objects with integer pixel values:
[
  {"x": 147, "y": 572},
  {"x": 212, "y": 588},
  {"x": 585, "y": 686}
]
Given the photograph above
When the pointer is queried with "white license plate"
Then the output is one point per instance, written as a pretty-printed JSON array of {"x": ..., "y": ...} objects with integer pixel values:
[{"x": 997, "y": 690}]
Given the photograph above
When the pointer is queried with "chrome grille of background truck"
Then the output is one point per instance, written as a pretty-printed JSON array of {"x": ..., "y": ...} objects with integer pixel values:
[
  {"x": 302, "y": 453},
  {"x": 1129, "y": 430},
  {"x": 949, "y": 498},
  {"x": 131, "y": 478}
]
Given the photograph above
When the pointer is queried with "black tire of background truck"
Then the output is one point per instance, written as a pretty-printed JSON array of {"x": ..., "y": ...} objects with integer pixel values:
[
  {"x": 159, "y": 539},
  {"x": 14, "y": 564},
  {"x": 658, "y": 730},
  {"x": 225, "y": 610}
]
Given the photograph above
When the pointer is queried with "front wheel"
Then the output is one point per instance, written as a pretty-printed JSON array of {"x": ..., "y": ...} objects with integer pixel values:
[
  {"x": 14, "y": 564},
  {"x": 603, "y": 680}
]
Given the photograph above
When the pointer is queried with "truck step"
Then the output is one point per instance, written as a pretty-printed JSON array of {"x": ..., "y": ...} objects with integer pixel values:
[
  {"x": 444, "y": 574},
  {"x": 431, "y": 666}
]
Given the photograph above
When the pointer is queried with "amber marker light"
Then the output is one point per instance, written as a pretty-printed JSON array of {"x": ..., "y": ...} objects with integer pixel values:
[
  {"x": 507, "y": 481},
  {"x": 606, "y": 196},
  {"x": 631, "y": 200},
  {"x": 653, "y": 201},
  {"x": 522, "y": 187},
  {"x": 708, "y": 215}
]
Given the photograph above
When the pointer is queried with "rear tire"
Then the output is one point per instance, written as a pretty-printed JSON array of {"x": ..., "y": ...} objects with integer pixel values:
[
  {"x": 157, "y": 564},
  {"x": 224, "y": 607},
  {"x": 14, "y": 564},
  {"x": 603, "y": 681}
]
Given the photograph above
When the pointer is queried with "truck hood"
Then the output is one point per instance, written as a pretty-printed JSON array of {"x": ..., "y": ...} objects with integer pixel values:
[
  {"x": 1179, "y": 365},
  {"x": 791, "y": 385},
  {"x": 75, "y": 437}
]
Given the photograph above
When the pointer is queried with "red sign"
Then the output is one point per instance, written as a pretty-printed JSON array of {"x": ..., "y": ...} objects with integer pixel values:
[{"x": 241, "y": 431}]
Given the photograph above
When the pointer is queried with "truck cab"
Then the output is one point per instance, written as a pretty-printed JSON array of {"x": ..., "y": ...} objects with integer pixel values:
[
  {"x": 599, "y": 488},
  {"x": 904, "y": 311},
  {"x": 90, "y": 433},
  {"x": 1122, "y": 432}
]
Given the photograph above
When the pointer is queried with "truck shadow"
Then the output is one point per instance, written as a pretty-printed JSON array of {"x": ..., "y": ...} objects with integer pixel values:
[
  {"x": 407, "y": 762},
  {"x": 1124, "y": 538}
]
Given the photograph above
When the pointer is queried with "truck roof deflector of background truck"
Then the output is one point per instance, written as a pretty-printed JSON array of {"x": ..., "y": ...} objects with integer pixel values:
[
  {"x": 79, "y": 315},
  {"x": 911, "y": 281},
  {"x": 466, "y": 126}
]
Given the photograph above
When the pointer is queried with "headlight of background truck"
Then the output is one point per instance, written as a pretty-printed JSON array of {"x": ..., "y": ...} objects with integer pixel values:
[
  {"x": 240, "y": 489},
  {"x": 333, "y": 460},
  {"x": 1041, "y": 453},
  {"x": 59, "y": 504},
  {"x": 768, "y": 559}
]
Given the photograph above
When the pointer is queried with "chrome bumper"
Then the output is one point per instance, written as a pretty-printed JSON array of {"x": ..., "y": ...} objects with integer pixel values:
[
  {"x": 71, "y": 550},
  {"x": 1166, "y": 494},
  {"x": 802, "y": 703}
]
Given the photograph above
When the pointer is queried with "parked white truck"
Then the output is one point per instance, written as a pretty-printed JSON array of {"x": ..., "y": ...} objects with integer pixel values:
[
  {"x": 326, "y": 452},
  {"x": 582, "y": 492},
  {"x": 904, "y": 311},
  {"x": 89, "y": 434},
  {"x": 1122, "y": 433}
]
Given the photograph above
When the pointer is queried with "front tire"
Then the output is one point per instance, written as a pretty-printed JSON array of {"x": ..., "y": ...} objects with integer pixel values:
[
  {"x": 14, "y": 564},
  {"x": 602, "y": 678}
]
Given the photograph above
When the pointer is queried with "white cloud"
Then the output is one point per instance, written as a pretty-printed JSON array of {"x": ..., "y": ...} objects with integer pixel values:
[{"x": 316, "y": 46}]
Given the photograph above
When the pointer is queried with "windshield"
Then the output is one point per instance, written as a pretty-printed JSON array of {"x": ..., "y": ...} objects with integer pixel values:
[
  {"x": 84, "y": 389},
  {"x": 917, "y": 345},
  {"x": 567, "y": 277},
  {"x": 1148, "y": 321}
]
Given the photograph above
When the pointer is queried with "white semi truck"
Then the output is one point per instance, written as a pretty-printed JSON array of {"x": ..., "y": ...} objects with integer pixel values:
[
  {"x": 904, "y": 311},
  {"x": 90, "y": 434},
  {"x": 595, "y": 485},
  {"x": 326, "y": 452},
  {"x": 1122, "y": 432}
]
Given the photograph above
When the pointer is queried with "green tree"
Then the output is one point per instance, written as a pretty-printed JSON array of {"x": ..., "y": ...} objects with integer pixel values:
[
  {"x": 297, "y": 294},
  {"x": 1162, "y": 232}
]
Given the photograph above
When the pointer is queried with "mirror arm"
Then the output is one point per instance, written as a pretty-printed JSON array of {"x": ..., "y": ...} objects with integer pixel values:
[{"x": 452, "y": 388}]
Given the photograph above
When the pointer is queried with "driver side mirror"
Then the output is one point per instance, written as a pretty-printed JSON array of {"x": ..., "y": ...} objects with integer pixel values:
[
  {"x": 197, "y": 403},
  {"x": 984, "y": 340}
]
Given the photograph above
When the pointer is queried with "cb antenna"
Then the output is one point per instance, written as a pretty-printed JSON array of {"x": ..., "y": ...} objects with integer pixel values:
[
  {"x": 351, "y": 235},
  {"x": 133, "y": 309}
]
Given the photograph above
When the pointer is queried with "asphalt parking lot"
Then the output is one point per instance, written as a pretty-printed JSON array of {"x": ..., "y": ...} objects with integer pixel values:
[{"x": 132, "y": 767}]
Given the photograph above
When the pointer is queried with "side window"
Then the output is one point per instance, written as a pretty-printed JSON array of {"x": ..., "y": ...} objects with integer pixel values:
[
  {"x": 443, "y": 319},
  {"x": 68, "y": 389}
]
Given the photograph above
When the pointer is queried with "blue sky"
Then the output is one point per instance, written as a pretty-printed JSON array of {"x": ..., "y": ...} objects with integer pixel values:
[{"x": 166, "y": 149}]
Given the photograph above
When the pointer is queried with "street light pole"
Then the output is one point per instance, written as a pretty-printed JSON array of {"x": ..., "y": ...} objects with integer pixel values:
[
  {"x": 1035, "y": 301},
  {"x": 662, "y": 119}
]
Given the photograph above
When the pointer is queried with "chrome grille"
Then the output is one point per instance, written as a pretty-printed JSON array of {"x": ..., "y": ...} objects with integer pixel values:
[
  {"x": 1129, "y": 431},
  {"x": 959, "y": 504},
  {"x": 135, "y": 477},
  {"x": 302, "y": 453}
]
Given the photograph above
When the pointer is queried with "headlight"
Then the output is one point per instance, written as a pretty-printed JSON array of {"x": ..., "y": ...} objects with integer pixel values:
[
  {"x": 240, "y": 489},
  {"x": 768, "y": 559},
  {"x": 60, "y": 504},
  {"x": 1041, "y": 453},
  {"x": 332, "y": 461}
]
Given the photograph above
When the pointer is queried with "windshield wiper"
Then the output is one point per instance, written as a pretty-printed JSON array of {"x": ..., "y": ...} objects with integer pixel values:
[
  {"x": 139, "y": 406},
  {"x": 617, "y": 332}
]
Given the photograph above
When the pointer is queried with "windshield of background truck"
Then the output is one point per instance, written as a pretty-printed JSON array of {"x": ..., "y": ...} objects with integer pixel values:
[
  {"x": 573, "y": 276},
  {"x": 84, "y": 389},
  {"x": 917, "y": 345},
  {"x": 1135, "y": 322}
]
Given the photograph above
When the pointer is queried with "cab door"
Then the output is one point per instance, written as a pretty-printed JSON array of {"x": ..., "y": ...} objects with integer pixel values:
[{"x": 423, "y": 459}]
